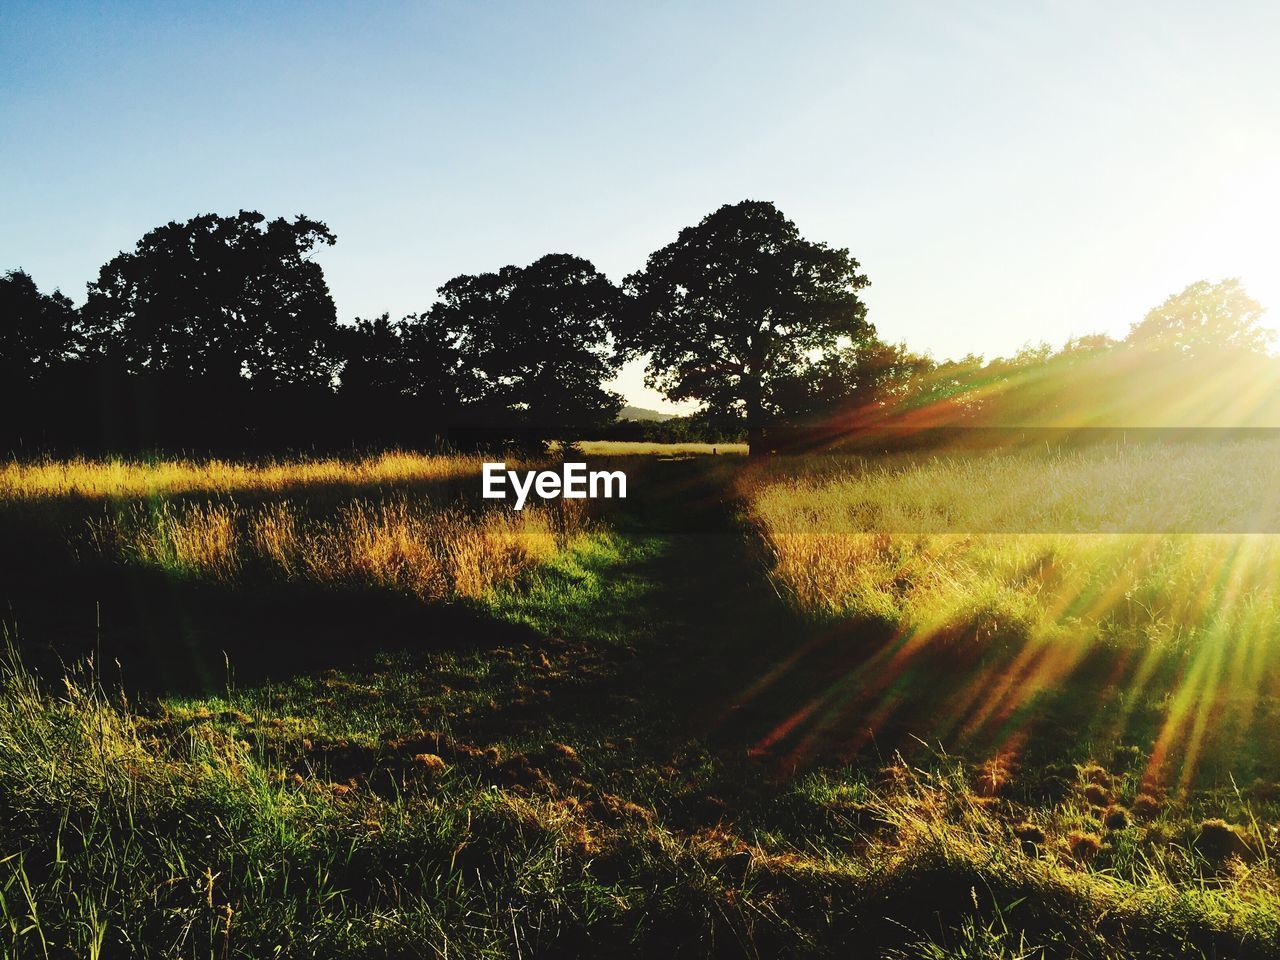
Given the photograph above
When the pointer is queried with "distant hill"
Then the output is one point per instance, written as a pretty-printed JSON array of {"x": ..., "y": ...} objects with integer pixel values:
[{"x": 640, "y": 413}]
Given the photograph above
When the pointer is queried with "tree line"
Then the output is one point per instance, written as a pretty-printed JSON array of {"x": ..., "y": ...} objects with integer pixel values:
[{"x": 219, "y": 333}]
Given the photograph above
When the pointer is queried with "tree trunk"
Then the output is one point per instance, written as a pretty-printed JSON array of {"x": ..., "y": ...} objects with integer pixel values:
[{"x": 755, "y": 418}]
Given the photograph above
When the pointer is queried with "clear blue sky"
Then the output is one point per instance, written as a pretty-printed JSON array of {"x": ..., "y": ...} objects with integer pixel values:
[{"x": 1005, "y": 172}]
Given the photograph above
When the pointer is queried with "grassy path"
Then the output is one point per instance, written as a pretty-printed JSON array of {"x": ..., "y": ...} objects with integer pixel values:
[
  {"x": 674, "y": 590},
  {"x": 628, "y": 753}
]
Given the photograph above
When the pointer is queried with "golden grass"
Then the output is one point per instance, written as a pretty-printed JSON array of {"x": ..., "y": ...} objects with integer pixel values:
[
  {"x": 624, "y": 448},
  {"x": 1222, "y": 487},
  {"x": 333, "y": 522},
  {"x": 1189, "y": 622},
  {"x": 129, "y": 478},
  {"x": 987, "y": 543},
  {"x": 398, "y": 543}
]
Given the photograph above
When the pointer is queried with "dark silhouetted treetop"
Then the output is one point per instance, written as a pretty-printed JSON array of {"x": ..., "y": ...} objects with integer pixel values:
[
  {"x": 220, "y": 297},
  {"x": 737, "y": 303},
  {"x": 414, "y": 357},
  {"x": 536, "y": 339},
  {"x": 372, "y": 358},
  {"x": 1205, "y": 319},
  {"x": 37, "y": 330}
]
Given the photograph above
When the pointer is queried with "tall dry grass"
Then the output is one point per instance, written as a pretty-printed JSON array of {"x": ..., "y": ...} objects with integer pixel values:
[
  {"x": 101, "y": 479},
  {"x": 1140, "y": 488},
  {"x": 1015, "y": 543},
  {"x": 418, "y": 548},
  {"x": 1170, "y": 637},
  {"x": 394, "y": 521},
  {"x": 627, "y": 448}
]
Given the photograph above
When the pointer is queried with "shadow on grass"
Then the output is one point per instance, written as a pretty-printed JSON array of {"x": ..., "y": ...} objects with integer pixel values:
[
  {"x": 713, "y": 655},
  {"x": 664, "y": 629},
  {"x": 178, "y": 635}
]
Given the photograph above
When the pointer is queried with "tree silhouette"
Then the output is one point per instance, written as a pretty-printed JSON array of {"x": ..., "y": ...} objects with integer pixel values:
[
  {"x": 37, "y": 330},
  {"x": 867, "y": 373},
  {"x": 403, "y": 380},
  {"x": 219, "y": 297},
  {"x": 532, "y": 343},
  {"x": 437, "y": 371},
  {"x": 373, "y": 363},
  {"x": 739, "y": 304}
]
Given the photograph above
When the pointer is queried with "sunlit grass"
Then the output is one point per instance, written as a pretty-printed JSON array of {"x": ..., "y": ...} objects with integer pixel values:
[
  {"x": 429, "y": 551},
  {"x": 22, "y": 480},
  {"x": 396, "y": 521},
  {"x": 974, "y": 557},
  {"x": 537, "y": 788},
  {"x": 1139, "y": 488},
  {"x": 234, "y": 826},
  {"x": 1074, "y": 543},
  {"x": 619, "y": 448}
]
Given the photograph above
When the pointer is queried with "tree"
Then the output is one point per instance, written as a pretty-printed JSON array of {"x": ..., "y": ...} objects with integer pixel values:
[
  {"x": 219, "y": 297},
  {"x": 533, "y": 343},
  {"x": 864, "y": 376},
  {"x": 737, "y": 304},
  {"x": 37, "y": 330},
  {"x": 437, "y": 369},
  {"x": 1205, "y": 319},
  {"x": 402, "y": 380},
  {"x": 372, "y": 358}
]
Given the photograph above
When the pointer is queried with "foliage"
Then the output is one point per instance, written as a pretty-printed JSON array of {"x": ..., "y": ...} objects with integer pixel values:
[
  {"x": 219, "y": 297},
  {"x": 537, "y": 338},
  {"x": 738, "y": 303},
  {"x": 417, "y": 357},
  {"x": 1204, "y": 321},
  {"x": 37, "y": 330},
  {"x": 867, "y": 373},
  {"x": 219, "y": 334}
]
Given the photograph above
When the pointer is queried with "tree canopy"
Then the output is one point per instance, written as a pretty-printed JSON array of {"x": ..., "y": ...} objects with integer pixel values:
[
  {"x": 1205, "y": 319},
  {"x": 37, "y": 330},
  {"x": 415, "y": 356},
  {"x": 536, "y": 339},
  {"x": 738, "y": 304},
  {"x": 219, "y": 333},
  {"x": 219, "y": 297}
]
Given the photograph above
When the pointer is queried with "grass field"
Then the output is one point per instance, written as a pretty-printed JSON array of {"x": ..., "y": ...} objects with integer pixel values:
[
  {"x": 347, "y": 710},
  {"x": 982, "y": 556},
  {"x": 619, "y": 448},
  {"x": 115, "y": 479}
]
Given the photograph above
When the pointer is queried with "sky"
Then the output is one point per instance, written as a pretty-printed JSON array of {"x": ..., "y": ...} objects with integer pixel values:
[{"x": 1006, "y": 173}]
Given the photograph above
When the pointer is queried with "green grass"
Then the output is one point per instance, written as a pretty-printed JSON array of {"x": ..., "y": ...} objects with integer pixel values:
[
  {"x": 588, "y": 591},
  {"x": 609, "y": 756},
  {"x": 222, "y": 827}
]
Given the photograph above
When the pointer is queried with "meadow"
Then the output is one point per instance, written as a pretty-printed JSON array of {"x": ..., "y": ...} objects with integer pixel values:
[
  {"x": 394, "y": 521},
  {"x": 622, "y": 448},
  {"x": 816, "y": 706},
  {"x": 1042, "y": 569}
]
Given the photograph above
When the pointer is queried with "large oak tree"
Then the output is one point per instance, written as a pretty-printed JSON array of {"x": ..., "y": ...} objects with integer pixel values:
[
  {"x": 1205, "y": 319},
  {"x": 37, "y": 330},
  {"x": 534, "y": 341},
  {"x": 738, "y": 304},
  {"x": 219, "y": 298}
]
